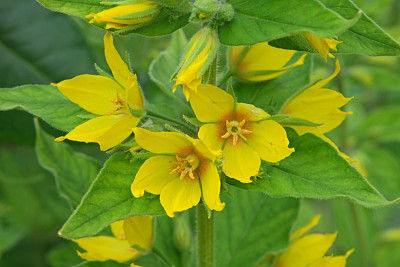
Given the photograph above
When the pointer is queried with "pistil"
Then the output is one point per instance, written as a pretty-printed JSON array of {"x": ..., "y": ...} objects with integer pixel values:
[{"x": 234, "y": 129}]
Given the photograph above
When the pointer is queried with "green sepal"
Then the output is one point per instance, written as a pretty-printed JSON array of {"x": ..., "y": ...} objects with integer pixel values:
[
  {"x": 193, "y": 121},
  {"x": 88, "y": 116},
  {"x": 102, "y": 72},
  {"x": 298, "y": 122}
]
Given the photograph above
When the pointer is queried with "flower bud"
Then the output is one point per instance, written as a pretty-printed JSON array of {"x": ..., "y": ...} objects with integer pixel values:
[
  {"x": 125, "y": 15},
  {"x": 199, "y": 54},
  {"x": 261, "y": 62}
]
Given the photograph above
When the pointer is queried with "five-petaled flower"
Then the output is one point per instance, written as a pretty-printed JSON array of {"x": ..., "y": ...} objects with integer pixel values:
[
  {"x": 133, "y": 231},
  {"x": 126, "y": 15},
  {"x": 118, "y": 101},
  {"x": 261, "y": 62},
  {"x": 309, "y": 250},
  {"x": 242, "y": 131},
  {"x": 182, "y": 173}
]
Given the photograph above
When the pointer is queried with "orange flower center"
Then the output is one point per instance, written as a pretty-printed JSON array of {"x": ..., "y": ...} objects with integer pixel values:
[
  {"x": 118, "y": 102},
  {"x": 186, "y": 166},
  {"x": 235, "y": 129}
]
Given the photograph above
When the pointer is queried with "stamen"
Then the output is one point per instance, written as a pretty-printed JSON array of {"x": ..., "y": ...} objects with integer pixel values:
[
  {"x": 226, "y": 135},
  {"x": 235, "y": 139},
  {"x": 228, "y": 124},
  {"x": 177, "y": 169},
  {"x": 113, "y": 110},
  {"x": 191, "y": 175},
  {"x": 244, "y": 131},
  {"x": 241, "y": 123},
  {"x": 183, "y": 174}
]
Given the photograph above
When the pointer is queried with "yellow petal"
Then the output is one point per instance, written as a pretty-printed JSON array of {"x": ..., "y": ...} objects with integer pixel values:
[
  {"x": 306, "y": 250},
  {"x": 332, "y": 261},
  {"x": 202, "y": 151},
  {"x": 102, "y": 248},
  {"x": 270, "y": 141},
  {"x": 211, "y": 134},
  {"x": 139, "y": 231},
  {"x": 322, "y": 45},
  {"x": 265, "y": 57},
  {"x": 319, "y": 106},
  {"x": 210, "y": 185},
  {"x": 108, "y": 15},
  {"x": 118, "y": 67},
  {"x": 179, "y": 195},
  {"x": 211, "y": 104},
  {"x": 303, "y": 230},
  {"x": 249, "y": 113},
  {"x": 162, "y": 142},
  {"x": 90, "y": 131},
  {"x": 117, "y": 228},
  {"x": 91, "y": 92},
  {"x": 133, "y": 94},
  {"x": 118, "y": 132},
  {"x": 241, "y": 161},
  {"x": 153, "y": 175}
]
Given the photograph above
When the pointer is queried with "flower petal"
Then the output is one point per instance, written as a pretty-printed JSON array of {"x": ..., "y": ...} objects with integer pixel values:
[
  {"x": 270, "y": 141},
  {"x": 211, "y": 104},
  {"x": 153, "y": 175},
  {"x": 322, "y": 45},
  {"x": 118, "y": 67},
  {"x": 179, "y": 195},
  {"x": 249, "y": 112},
  {"x": 241, "y": 161},
  {"x": 139, "y": 231},
  {"x": 210, "y": 185},
  {"x": 102, "y": 248},
  {"x": 91, "y": 92},
  {"x": 90, "y": 131},
  {"x": 211, "y": 134},
  {"x": 118, "y": 132},
  {"x": 306, "y": 250},
  {"x": 133, "y": 94},
  {"x": 303, "y": 230},
  {"x": 163, "y": 142},
  {"x": 202, "y": 151},
  {"x": 117, "y": 228},
  {"x": 332, "y": 261}
]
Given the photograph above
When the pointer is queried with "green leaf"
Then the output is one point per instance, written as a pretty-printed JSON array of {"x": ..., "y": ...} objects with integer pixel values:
[
  {"x": 166, "y": 22},
  {"x": 364, "y": 37},
  {"x": 73, "y": 171},
  {"x": 46, "y": 102},
  {"x": 39, "y": 46},
  {"x": 272, "y": 94},
  {"x": 260, "y": 21},
  {"x": 110, "y": 199},
  {"x": 383, "y": 125},
  {"x": 251, "y": 226},
  {"x": 163, "y": 67},
  {"x": 64, "y": 255},
  {"x": 316, "y": 170},
  {"x": 109, "y": 263}
]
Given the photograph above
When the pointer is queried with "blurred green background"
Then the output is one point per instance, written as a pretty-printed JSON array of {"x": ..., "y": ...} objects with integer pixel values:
[{"x": 38, "y": 46}]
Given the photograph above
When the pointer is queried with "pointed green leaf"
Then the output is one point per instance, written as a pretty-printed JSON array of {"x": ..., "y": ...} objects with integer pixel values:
[
  {"x": 110, "y": 199},
  {"x": 260, "y": 21},
  {"x": 46, "y": 102},
  {"x": 316, "y": 170},
  {"x": 251, "y": 226},
  {"x": 73, "y": 171}
]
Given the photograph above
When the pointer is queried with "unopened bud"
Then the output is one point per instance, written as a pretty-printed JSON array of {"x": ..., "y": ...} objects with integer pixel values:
[{"x": 182, "y": 234}]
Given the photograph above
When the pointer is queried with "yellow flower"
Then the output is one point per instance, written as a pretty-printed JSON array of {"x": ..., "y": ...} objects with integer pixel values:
[
  {"x": 309, "y": 250},
  {"x": 261, "y": 62},
  {"x": 134, "y": 231},
  {"x": 200, "y": 52},
  {"x": 113, "y": 99},
  {"x": 321, "y": 106},
  {"x": 182, "y": 173},
  {"x": 242, "y": 131},
  {"x": 322, "y": 45},
  {"x": 126, "y": 15}
]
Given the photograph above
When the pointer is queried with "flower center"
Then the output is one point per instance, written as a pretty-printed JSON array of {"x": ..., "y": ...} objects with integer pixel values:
[
  {"x": 119, "y": 103},
  {"x": 186, "y": 166},
  {"x": 234, "y": 129}
]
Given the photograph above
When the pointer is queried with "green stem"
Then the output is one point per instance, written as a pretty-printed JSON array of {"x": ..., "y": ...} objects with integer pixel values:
[
  {"x": 225, "y": 78},
  {"x": 161, "y": 257},
  {"x": 205, "y": 237},
  {"x": 166, "y": 119}
]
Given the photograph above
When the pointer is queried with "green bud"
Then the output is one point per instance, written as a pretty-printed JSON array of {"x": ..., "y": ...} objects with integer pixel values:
[{"x": 225, "y": 12}]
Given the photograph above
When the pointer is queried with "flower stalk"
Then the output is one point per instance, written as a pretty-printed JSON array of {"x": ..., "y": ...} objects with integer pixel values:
[{"x": 205, "y": 237}]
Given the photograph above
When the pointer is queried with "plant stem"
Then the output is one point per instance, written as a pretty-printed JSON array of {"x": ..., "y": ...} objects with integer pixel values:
[{"x": 205, "y": 237}]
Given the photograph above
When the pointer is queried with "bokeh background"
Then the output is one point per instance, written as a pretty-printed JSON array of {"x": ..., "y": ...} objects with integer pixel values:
[{"x": 38, "y": 46}]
